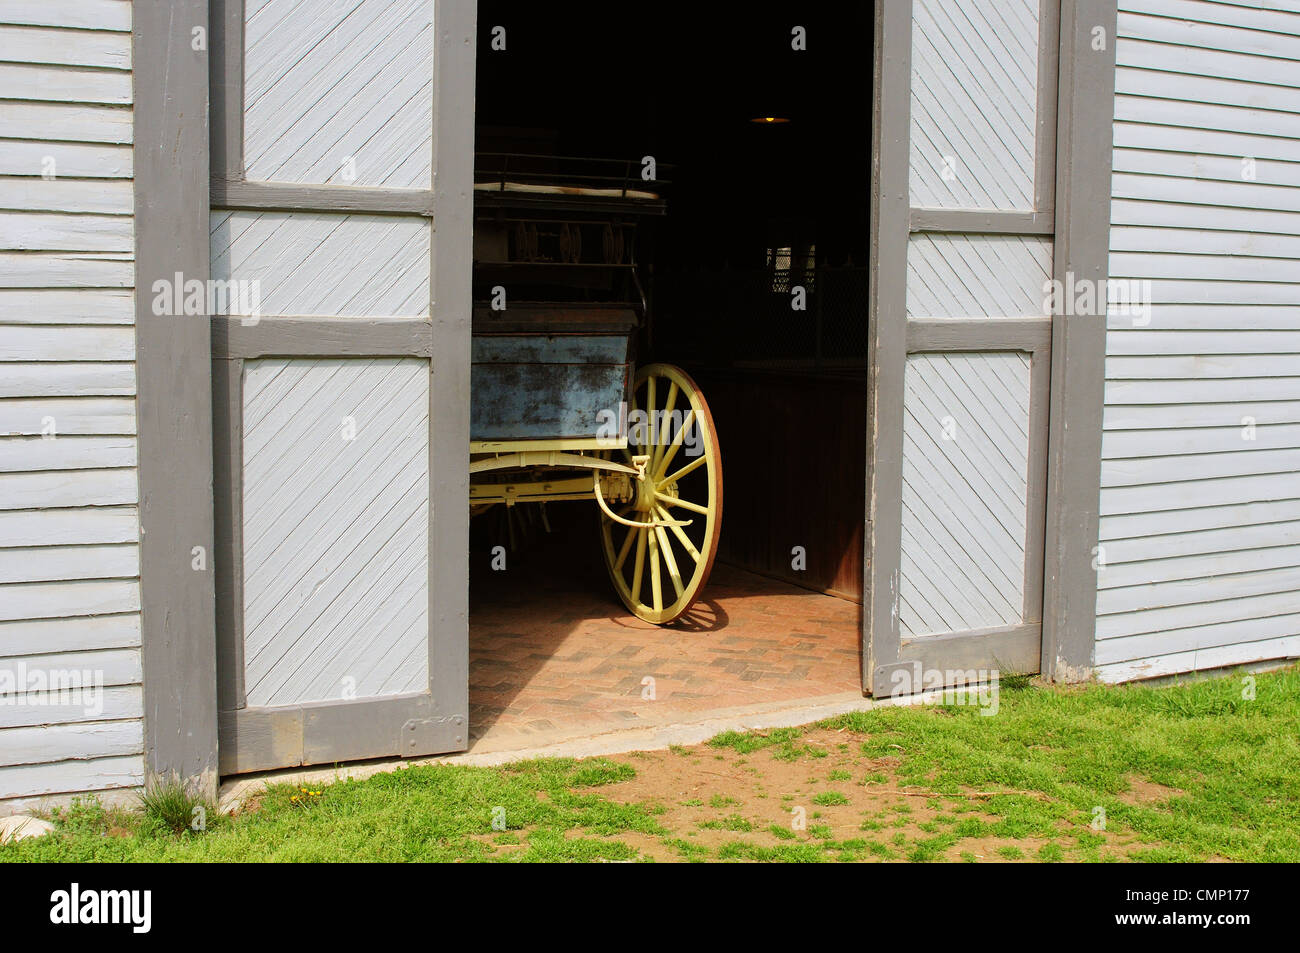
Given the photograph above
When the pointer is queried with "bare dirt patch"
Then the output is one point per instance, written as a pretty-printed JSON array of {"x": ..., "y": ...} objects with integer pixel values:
[
  {"x": 817, "y": 797},
  {"x": 1147, "y": 793}
]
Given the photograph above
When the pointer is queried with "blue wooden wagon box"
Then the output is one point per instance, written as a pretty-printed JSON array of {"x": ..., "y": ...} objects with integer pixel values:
[{"x": 549, "y": 371}]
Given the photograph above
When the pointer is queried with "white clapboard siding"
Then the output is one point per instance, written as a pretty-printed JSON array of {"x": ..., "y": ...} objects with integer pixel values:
[
  {"x": 110, "y": 15},
  {"x": 57, "y": 527},
  {"x": 46, "y": 636},
  {"x": 1196, "y": 660},
  {"x": 96, "y": 774},
  {"x": 1224, "y": 194},
  {"x": 1257, "y": 122},
  {"x": 1134, "y": 444},
  {"x": 1172, "y": 497},
  {"x": 323, "y": 264},
  {"x": 1210, "y": 86},
  {"x": 1204, "y": 143},
  {"x": 82, "y": 160},
  {"x": 335, "y": 530},
  {"x": 50, "y": 563},
  {"x": 68, "y": 306},
  {"x": 1225, "y": 168},
  {"x": 65, "y": 488},
  {"x": 119, "y": 702},
  {"x": 45, "y": 743},
  {"x": 1210, "y": 391},
  {"x": 67, "y": 415},
  {"x": 1198, "y": 68},
  {"x": 28, "y": 454},
  {"x": 1120, "y": 648},
  {"x": 112, "y": 197},
  {"x": 1200, "y": 499},
  {"x": 1205, "y": 317},
  {"x": 1194, "y": 542},
  {"x": 1237, "y": 610},
  {"x": 74, "y": 380},
  {"x": 1242, "y": 15},
  {"x": 63, "y": 122},
  {"x": 1214, "y": 218},
  {"x": 339, "y": 92},
  {"x": 69, "y": 527},
  {"x": 1176, "y": 416},
  {"x": 23, "y": 343},
  {"x": 1281, "y": 42},
  {"x": 974, "y": 276},
  {"x": 65, "y": 84},
  {"x": 64, "y": 269},
  {"x": 1196, "y": 366},
  {"x": 1137, "y": 471},
  {"x": 974, "y": 103},
  {"x": 1121, "y": 527},
  {"x": 100, "y": 667},
  {"x": 30, "y": 231},
  {"x": 965, "y": 456},
  {"x": 98, "y": 48}
]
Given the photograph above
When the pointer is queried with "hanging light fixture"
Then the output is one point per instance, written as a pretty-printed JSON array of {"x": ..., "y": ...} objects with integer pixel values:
[{"x": 769, "y": 120}]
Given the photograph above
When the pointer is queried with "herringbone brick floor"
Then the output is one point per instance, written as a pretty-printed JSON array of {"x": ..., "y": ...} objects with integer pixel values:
[{"x": 553, "y": 652}]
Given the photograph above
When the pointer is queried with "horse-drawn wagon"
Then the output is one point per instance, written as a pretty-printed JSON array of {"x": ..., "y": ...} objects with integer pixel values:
[{"x": 559, "y": 408}]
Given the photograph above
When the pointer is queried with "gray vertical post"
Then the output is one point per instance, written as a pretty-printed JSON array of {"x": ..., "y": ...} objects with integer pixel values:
[
  {"x": 174, "y": 393},
  {"x": 1083, "y": 184}
]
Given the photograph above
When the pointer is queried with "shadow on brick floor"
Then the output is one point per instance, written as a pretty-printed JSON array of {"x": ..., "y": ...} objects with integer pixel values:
[{"x": 554, "y": 652}]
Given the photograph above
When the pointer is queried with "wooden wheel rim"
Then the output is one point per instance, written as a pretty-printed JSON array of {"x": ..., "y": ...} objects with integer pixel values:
[{"x": 645, "y": 545}]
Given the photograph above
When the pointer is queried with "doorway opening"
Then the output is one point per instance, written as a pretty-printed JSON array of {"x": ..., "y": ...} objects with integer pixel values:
[{"x": 757, "y": 126}]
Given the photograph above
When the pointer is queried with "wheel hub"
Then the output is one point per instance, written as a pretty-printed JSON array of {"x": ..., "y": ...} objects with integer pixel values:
[{"x": 645, "y": 495}]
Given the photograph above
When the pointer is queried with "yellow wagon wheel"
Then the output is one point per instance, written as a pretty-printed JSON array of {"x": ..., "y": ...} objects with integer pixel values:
[{"x": 660, "y": 570}]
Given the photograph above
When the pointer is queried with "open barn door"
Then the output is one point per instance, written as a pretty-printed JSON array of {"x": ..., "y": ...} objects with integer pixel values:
[
  {"x": 342, "y": 182},
  {"x": 962, "y": 243}
]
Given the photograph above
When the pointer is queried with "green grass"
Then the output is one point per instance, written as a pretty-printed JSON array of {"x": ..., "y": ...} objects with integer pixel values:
[
  {"x": 732, "y": 822},
  {"x": 424, "y": 813},
  {"x": 1231, "y": 760},
  {"x": 1032, "y": 777},
  {"x": 171, "y": 806}
]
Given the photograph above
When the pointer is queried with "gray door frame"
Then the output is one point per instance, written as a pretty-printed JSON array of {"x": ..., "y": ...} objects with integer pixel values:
[
  {"x": 188, "y": 617},
  {"x": 1076, "y": 97}
]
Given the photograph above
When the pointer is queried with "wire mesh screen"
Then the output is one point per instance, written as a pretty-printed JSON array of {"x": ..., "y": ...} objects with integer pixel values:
[{"x": 777, "y": 317}]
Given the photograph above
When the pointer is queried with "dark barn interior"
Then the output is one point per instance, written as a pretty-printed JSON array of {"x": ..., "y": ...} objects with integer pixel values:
[{"x": 763, "y": 156}]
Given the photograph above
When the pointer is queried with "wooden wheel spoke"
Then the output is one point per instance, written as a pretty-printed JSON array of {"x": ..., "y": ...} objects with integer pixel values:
[
  {"x": 684, "y": 504},
  {"x": 676, "y": 445},
  {"x": 686, "y": 470},
  {"x": 627, "y": 547},
  {"x": 665, "y": 418},
  {"x": 656, "y": 585},
  {"x": 639, "y": 566},
  {"x": 679, "y": 533},
  {"x": 669, "y": 559}
]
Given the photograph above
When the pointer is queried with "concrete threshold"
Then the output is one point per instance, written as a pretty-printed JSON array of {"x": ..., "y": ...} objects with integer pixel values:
[{"x": 489, "y": 751}]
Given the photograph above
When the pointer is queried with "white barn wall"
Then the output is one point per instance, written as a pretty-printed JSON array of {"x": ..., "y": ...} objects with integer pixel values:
[
  {"x": 1199, "y": 525},
  {"x": 69, "y": 531}
]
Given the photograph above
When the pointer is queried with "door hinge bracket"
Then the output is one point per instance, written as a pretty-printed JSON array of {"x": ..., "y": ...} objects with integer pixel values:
[{"x": 422, "y": 736}]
